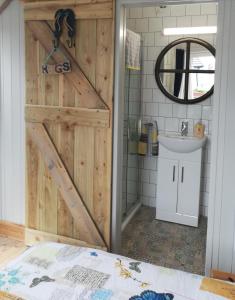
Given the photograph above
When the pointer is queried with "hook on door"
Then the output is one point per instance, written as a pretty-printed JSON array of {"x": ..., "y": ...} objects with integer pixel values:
[
  {"x": 66, "y": 16},
  {"x": 70, "y": 22}
]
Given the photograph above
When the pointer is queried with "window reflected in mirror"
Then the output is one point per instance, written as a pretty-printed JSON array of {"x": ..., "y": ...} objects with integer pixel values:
[{"x": 185, "y": 70}]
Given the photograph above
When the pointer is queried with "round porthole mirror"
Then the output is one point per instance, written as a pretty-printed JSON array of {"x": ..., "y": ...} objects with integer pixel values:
[{"x": 185, "y": 70}]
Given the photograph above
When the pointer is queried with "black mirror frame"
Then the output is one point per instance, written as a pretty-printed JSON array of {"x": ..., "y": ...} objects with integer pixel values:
[{"x": 159, "y": 71}]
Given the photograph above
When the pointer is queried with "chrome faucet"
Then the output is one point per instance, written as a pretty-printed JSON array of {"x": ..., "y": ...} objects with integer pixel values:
[{"x": 184, "y": 128}]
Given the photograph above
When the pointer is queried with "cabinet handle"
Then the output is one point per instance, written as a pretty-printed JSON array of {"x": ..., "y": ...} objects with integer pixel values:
[
  {"x": 182, "y": 175},
  {"x": 174, "y": 174}
]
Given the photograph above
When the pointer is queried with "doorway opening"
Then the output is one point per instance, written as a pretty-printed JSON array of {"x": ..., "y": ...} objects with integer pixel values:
[{"x": 147, "y": 112}]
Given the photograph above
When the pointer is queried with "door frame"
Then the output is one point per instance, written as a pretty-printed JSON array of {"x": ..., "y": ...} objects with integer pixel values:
[{"x": 118, "y": 124}]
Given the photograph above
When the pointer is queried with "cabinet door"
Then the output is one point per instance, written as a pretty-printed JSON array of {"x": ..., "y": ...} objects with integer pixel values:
[
  {"x": 167, "y": 185},
  {"x": 189, "y": 188}
]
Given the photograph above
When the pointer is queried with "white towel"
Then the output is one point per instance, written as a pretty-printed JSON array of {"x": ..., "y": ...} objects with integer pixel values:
[{"x": 132, "y": 50}]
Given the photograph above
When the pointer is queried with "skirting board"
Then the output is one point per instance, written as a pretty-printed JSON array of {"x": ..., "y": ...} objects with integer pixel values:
[
  {"x": 220, "y": 275},
  {"x": 12, "y": 230},
  {"x": 33, "y": 237}
]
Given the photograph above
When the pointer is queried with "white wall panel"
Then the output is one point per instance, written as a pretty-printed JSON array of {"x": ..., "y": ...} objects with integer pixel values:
[
  {"x": 221, "y": 227},
  {"x": 227, "y": 228},
  {"x": 12, "y": 114}
]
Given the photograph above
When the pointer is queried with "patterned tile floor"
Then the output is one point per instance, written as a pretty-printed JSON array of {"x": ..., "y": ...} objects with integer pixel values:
[{"x": 165, "y": 244}]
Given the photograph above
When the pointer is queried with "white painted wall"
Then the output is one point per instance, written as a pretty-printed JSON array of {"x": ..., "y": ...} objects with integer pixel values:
[
  {"x": 221, "y": 229},
  {"x": 12, "y": 195}
]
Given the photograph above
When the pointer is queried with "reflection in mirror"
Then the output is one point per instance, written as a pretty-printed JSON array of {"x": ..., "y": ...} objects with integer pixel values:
[
  {"x": 201, "y": 58},
  {"x": 199, "y": 84},
  {"x": 185, "y": 70},
  {"x": 169, "y": 83},
  {"x": 175, "y": 57}
]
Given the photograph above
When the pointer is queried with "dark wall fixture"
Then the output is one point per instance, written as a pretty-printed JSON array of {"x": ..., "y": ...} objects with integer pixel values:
[{"x": 185, "y": 69}]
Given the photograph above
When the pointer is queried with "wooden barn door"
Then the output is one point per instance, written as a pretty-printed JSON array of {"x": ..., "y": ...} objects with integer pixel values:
[{"x": 69, "y": 125}]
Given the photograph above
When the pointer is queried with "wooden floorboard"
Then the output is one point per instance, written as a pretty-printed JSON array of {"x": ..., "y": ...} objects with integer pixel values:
[{"x": 10, "y": 249}]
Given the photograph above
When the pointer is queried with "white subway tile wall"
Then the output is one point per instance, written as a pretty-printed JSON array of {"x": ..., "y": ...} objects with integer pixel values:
[{"x": 149, "y": 22}]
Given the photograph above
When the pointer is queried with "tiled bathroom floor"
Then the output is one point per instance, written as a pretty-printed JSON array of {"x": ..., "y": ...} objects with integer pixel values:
[{"x": 165, "y": 244}]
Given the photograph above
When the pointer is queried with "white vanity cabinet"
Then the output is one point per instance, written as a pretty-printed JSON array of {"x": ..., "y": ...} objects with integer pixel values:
[{"x": 178, "y": 186}]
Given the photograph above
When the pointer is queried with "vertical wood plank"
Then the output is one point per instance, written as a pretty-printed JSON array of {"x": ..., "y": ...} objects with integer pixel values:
[
  {"x": 84, "y": 137},
  {"x": 66, "y": 150},
  {"x": 86, "y": 48},
  {"x": 41, "y": 175},
  {"x": 49, "y": 94},
  {"x": 51, "y": 192},
  {"x": 84, "y": 166},
  {"x": 64, "y": 219},
  {"x": 104, "y": 69},
  {"x": 102, "y": 184},
  {"x": 32, "y": 216},
  {"x": 31, "y": 54},
  {"x": 41, "y": 77},
  {"x": 68, "y": 93},
  {"x": 32, "y": 156},
  {"x": 85, "y": 51},
  {"x": 41, "y": 193},
  {"x": 65, "y": 222},
  {"x": 103, "y": 137}
]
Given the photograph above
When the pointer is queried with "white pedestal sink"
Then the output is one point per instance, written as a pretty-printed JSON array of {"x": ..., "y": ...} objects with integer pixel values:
[
  {"x": 179, "y": 177},
  {"x": 181, "y": 144}
]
